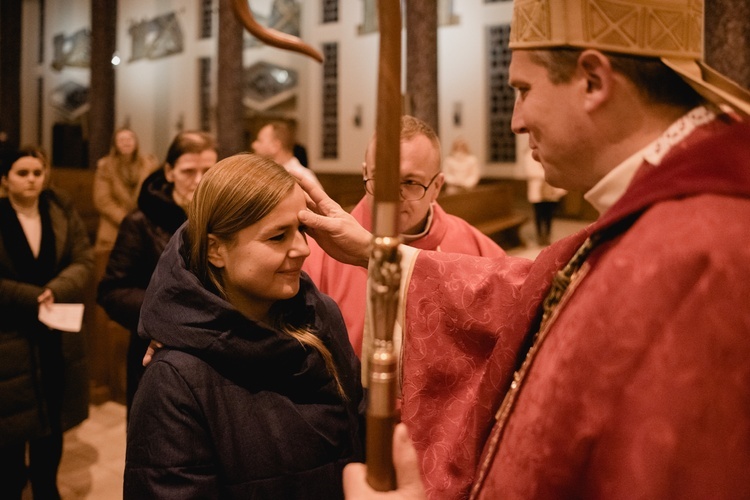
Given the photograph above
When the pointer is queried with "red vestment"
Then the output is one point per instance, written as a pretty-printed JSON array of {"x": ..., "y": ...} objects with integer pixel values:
[
  {"x": 642, "y": 386},
  {"x": 347, "y": 285}
]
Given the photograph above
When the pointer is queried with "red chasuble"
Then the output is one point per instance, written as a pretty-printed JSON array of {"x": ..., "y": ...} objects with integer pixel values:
[{"x": 641, "y": 388}]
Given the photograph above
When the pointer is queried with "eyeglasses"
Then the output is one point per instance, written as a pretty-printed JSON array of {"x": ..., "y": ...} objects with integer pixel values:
[{"x": 409, "y": 190}]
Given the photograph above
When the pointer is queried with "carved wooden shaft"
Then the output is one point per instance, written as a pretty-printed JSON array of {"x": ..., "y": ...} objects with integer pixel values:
[{"x": 385, "y": 272}]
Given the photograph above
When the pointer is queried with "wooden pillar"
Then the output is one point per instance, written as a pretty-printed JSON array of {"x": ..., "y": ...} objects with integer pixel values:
[
  {"x": 229, "y": 109},
  {"x": 107, "y": 341},
  {"x": 728, "y": 38},
  {"x": 421, "y": 60},
  {"x": 10, "y": 71},
  {"x": 102, "y": 91}
]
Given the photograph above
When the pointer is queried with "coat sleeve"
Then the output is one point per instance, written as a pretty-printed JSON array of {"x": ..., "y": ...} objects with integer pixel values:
[
  {"x": 18, "y": 298},
  {"x": 465, "y": 318},
  {"x": 123, "y": 286},
  {"x": 71, "y": 283},
  {"x": 168, "y": 449}
]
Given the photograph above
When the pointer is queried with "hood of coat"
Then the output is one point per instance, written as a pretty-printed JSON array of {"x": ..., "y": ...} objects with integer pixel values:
[
  {"x": 181, "y": 313},
  {"x": 156, "y": 202},
  {"x": 713, "y": 159}
]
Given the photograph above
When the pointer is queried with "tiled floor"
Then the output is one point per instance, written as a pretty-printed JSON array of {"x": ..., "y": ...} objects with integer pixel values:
[
  {"x": 94, "y": 452},
  {"x": 93, "y": 456}
]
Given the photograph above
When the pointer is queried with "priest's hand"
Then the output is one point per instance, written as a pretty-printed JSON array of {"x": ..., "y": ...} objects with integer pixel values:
[
  {"x": 335, "y": 230},
  {"x": 408, "y": 481}
]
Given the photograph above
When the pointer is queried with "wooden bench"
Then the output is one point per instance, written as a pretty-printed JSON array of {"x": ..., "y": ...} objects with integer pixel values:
[
  {"x": 344, "y": 189},
  {"x": 78, "y": 184},
  {"x": 489, "y": 208}
]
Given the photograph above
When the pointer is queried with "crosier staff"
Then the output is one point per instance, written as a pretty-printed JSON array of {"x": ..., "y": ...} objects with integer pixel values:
[
  {"x": 271, "y": 36},
  {"x": 385, "y": 273}
]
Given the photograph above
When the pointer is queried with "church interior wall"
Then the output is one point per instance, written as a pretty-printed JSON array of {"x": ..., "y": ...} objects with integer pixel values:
[{"x": 159, "y": 96}]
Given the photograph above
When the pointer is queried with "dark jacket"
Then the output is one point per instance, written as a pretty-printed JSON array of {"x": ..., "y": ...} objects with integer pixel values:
[
  {"x": 27, "y": 347},
  {"x": 140, "y": 241},
  {"x": 142, "y": 236},
  {"x": 232, "y": 409}
]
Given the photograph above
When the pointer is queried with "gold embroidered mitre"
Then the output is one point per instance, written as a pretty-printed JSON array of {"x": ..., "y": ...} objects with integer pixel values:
[{"x": 668, "y": 29}]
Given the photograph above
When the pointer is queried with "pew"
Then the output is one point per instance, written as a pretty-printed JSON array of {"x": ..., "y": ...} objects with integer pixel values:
[{"x": 489, "y": 206}]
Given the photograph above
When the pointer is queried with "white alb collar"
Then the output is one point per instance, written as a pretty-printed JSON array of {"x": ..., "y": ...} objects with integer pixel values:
[{"x": 612, "y": 186}]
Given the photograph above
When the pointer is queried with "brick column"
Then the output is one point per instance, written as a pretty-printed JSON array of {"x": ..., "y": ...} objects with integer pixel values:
[
  {"x": 10, "y": 71},
  {"x": 102, "y": 92},
  {"x": 106, "y": 363},
  {"x": 230, "y": 110},
  {"x": 728, "y": 38},
  {"x": 421, "y": 60}
]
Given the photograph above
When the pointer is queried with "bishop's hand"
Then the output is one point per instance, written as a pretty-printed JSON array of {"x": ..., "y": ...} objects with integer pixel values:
[{"x": 335, "y": 230}]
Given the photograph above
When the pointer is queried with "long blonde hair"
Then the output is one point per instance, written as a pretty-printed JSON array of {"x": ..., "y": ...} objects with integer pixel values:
[{"x": 236, "y": 193}]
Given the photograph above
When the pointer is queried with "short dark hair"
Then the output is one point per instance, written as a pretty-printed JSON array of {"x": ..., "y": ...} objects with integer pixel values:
[
  {"x": 191, "y": 141},
  {"x": 658, "y": 83},
  {"x": 7, "y": 161},
  {"x": 284, "y": 132}
]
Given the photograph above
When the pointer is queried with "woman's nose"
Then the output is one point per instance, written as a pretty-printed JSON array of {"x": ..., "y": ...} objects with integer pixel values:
[{"x": 300, "y": 248}]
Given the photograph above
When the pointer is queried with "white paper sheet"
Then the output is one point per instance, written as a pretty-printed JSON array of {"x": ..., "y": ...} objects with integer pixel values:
[{"x": 65, "y": 317}]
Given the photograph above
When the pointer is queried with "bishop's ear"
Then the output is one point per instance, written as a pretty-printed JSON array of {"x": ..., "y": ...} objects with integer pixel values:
[
  {"x": 216, "y": 250},
  {"x": 598, "y": 76}
]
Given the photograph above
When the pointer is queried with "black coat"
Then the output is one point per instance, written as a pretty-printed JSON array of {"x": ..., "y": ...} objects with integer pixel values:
[
  {"x": 141, "y": 239},
  {"x": 40, "y": 368},
  {"x": 233, "y": 409}
]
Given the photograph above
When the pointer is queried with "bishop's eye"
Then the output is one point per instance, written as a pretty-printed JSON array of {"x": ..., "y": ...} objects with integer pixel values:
[{"x": 521, "y": 92}]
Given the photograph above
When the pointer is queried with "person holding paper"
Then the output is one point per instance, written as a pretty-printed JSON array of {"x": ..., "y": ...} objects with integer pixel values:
[{"x": 45, "y": 259}]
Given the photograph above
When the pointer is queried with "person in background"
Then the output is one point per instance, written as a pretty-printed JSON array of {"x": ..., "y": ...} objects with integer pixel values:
[
  {"x": 300, "y": 152},
  {"x": 544, "y": 197},
  {"x": 461, "y": 168},
  {"x": 615, "y": 364},
  {"x": 117, "y": 182},
  {"x": 255, "y": 393},
  {"x": 45, "y": 258},
  {"x": 144, "y": 233},
  {"x": 6, "y": 151},
  {"x": 275, "y": 141},
  {"x": 424, "y": 224}
]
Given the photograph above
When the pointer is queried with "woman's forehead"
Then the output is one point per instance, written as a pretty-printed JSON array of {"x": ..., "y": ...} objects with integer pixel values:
[{"x": 27, "y": 162}]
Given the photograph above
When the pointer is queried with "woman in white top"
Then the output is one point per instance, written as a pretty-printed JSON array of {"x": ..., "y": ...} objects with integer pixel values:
[{"x": 461, "y": 168}]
